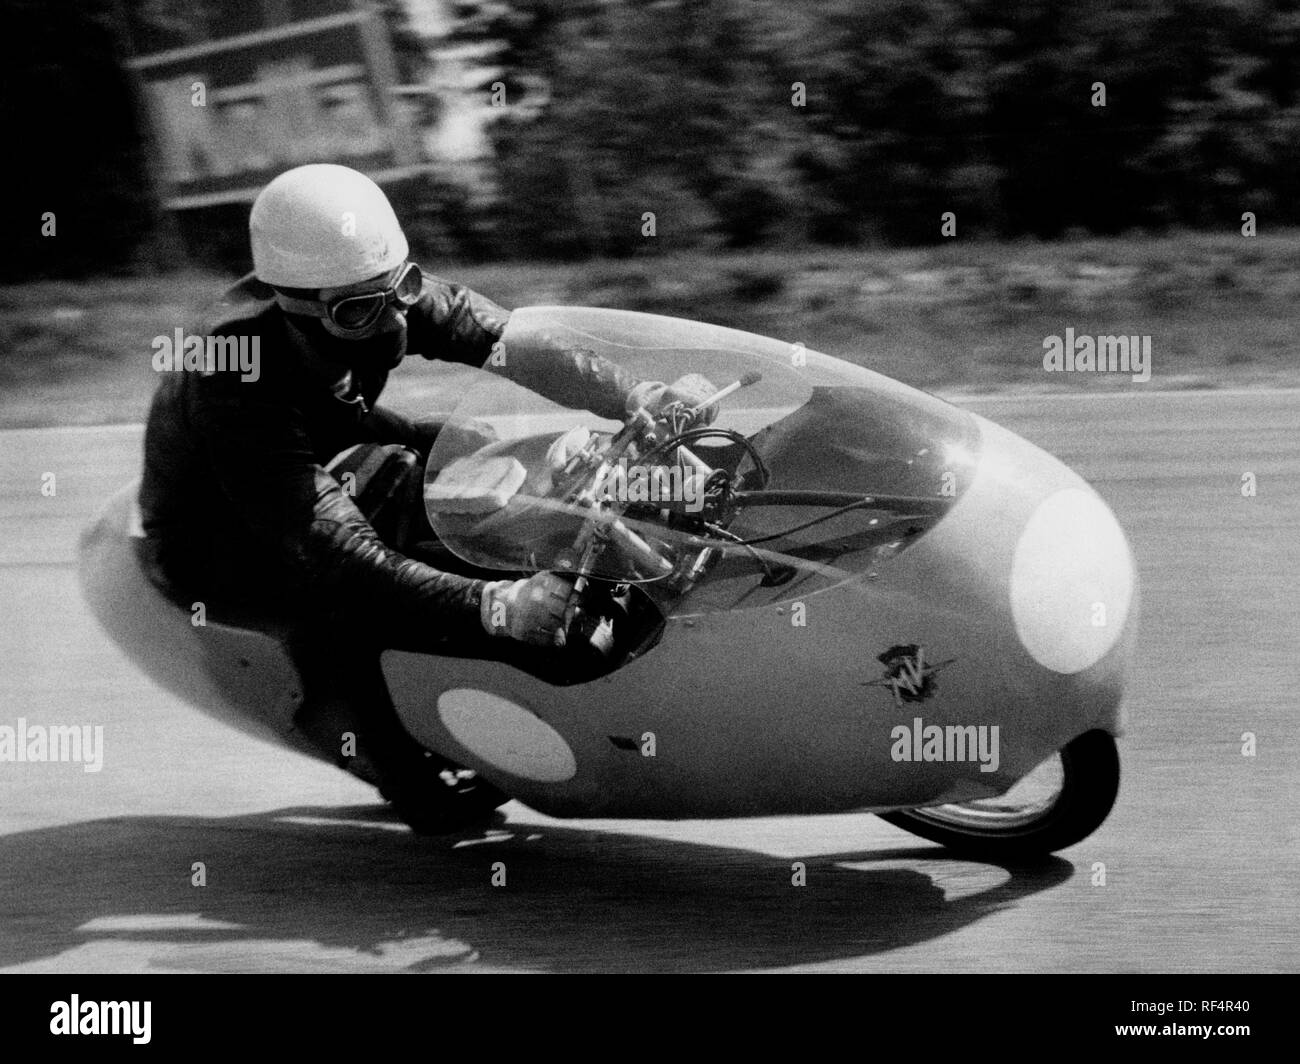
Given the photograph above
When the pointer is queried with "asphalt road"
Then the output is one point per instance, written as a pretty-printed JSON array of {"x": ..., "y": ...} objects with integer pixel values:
[{"x": 304, "y": 872}]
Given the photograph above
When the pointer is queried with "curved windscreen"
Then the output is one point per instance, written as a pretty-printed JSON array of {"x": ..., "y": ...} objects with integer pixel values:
[{"x": 811, "y": 471}]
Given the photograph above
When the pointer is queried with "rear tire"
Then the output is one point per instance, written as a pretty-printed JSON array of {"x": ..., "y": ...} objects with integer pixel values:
[{"x": 1089, "y": 769}]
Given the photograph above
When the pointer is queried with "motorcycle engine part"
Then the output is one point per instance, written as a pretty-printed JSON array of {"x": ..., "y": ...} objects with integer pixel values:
[{"x": 564, "y": 448}]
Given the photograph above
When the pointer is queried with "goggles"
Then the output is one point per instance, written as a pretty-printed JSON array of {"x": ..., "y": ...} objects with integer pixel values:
[{"x": 359, "y": 311}]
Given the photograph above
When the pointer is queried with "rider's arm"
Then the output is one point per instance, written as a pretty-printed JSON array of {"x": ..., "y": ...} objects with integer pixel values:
[
  {"x": 382, "y": 425},
  {"x": 456, "y": 324},
  {"x": 264, "y": 464}
]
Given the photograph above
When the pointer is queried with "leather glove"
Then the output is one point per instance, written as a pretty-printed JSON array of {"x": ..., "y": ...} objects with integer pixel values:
[
  {"x": 531, "y": 610},
  {"x": 690, "y": 390}
]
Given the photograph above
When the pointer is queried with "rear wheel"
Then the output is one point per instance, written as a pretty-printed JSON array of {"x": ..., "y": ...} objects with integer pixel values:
[{"x": 1062, "y": 801}]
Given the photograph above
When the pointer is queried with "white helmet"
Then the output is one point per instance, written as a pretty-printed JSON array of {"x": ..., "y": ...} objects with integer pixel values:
[{"x": 323, "y": 226}]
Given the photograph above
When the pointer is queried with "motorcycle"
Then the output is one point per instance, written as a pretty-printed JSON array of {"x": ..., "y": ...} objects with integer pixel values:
[{"x": 817, "y": 591}]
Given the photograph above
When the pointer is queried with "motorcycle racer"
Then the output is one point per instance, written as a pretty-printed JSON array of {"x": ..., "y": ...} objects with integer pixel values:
[{"x": 258, "y": 489}]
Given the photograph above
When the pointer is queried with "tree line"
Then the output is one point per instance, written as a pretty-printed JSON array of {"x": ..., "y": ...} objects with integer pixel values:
[
  {"x": 745, "y": 122},
  {"x": 750, "y": 123}
]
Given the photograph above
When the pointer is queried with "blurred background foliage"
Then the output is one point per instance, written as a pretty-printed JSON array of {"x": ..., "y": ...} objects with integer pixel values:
[
  {"x": 683, "y": 108},
  {"x": 818, "y": 223},
  {"x": 914, "y": 107}
]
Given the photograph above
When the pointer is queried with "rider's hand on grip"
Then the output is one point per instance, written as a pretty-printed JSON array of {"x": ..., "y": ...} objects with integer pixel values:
[
  {"x": 531, "y": 611},
  {"x": 690, "y": 390}
]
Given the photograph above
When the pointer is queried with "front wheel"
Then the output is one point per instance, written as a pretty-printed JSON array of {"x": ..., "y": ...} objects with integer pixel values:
[{"x": 1062, "y": 801}]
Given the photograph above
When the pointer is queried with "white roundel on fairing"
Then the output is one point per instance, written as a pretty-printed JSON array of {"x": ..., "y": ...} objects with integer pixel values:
[
  {"x": 506, "y": 735},
  {"x": 1071, "y": 581}
]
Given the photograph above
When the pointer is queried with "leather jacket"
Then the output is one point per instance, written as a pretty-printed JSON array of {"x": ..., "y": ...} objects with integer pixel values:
[{"x": 235, "y": 500}]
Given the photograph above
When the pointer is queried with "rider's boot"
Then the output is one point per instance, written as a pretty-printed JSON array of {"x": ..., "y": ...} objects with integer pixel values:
[
  {"x": 346, "y": 712},
  {"x": 354, "y": 724}
]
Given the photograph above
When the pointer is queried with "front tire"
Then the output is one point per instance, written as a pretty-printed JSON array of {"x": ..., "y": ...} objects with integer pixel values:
[{"x": 1063, "y": 801}]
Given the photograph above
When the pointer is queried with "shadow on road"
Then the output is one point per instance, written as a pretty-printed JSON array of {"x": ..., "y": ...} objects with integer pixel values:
[{"x": 575, "y": 899}]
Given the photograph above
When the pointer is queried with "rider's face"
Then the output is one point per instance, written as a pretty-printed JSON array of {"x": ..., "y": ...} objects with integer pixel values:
[
  {"x": 382, "y": 344},
  {"x": 390, "y": 322}
]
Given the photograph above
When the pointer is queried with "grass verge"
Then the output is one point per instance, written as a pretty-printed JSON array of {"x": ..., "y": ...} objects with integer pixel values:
[{"x": 1221, "y": 311}]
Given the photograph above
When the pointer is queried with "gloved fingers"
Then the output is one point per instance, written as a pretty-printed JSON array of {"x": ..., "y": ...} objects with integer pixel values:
[
  {"x": 540, "y": 607},
  {"x": 546, "y": 602},
  {"x": 647, "y": 394},
  {"x": 559, "y": 581},
  {"x": 552, "y": 592},
  {"x": 544, "y": 637},
  {"x": 692, "y": 390},
  {"x": 538, "y": 637}
]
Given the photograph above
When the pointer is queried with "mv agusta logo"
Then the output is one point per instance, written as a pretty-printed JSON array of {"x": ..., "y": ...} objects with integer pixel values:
[{"x": 907, "y": 673}]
